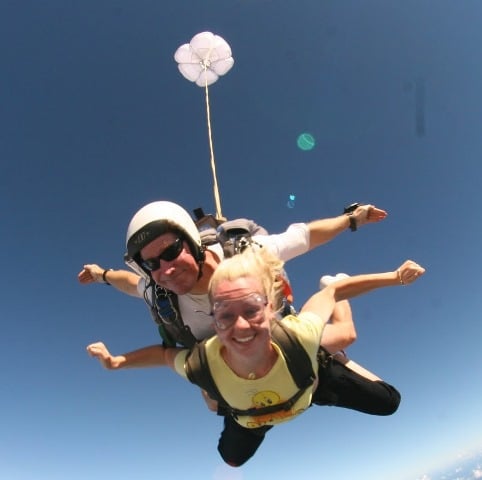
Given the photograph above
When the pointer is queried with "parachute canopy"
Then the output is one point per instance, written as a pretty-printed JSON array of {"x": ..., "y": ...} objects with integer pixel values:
[{"x": 204, "y": 59}]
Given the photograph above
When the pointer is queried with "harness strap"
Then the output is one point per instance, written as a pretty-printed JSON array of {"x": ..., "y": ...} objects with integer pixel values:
[
  {"x": 259, "y": 411},
  {"x": 297, "y": 360},
  {"x": 164, "y": 308},
  {"x": 198, "y": 372}
]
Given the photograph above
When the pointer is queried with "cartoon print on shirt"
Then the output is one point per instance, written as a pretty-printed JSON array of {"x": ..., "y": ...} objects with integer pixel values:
[{"x": 267, "y": 398}]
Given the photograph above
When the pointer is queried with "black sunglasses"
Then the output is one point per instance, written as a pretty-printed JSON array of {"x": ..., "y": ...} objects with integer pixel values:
[{"x": 169, "y": 254}]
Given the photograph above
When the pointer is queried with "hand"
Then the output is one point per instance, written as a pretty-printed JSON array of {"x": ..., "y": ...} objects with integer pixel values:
[
  {"x": 211, "y": 404},
  {"x": 368, "y": 214},
  {"x": 99, "y": 350},
  {"x": 91, "y": 274},
  {"x": 409, "y": 271}
]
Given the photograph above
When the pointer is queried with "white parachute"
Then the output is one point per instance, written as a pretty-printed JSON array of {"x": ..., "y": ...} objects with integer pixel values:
[{"x": 202, "y": 61}]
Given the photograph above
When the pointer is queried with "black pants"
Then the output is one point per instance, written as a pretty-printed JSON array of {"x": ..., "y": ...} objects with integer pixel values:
[
  {"x": 341, "y": 387},
  {"x": 338, "y": 386}
]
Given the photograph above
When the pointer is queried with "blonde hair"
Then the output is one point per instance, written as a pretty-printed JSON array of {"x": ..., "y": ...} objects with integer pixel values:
[{"x": 252, "y": 262}]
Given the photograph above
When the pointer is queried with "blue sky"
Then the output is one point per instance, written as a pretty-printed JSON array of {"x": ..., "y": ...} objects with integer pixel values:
[{"x": 96, "y": 120}]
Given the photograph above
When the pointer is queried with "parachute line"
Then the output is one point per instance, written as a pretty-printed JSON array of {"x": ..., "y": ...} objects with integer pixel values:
[{"x": 217, "y": 199}]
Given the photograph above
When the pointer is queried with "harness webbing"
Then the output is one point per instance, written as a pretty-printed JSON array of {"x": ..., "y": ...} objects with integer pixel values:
[
  {"x": 164, "y": 308},
  {"x": 297, "y": 360}
]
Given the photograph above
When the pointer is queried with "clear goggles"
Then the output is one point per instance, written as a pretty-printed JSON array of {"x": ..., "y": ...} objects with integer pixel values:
[{"x": 251, "y": 307}]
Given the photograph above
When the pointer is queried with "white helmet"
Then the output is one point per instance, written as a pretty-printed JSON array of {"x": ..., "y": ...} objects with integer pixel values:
[{"x": 157, "y": 218}]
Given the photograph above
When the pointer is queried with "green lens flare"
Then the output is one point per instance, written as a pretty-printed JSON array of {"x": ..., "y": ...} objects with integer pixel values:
[{"x": 306, "y": 142}]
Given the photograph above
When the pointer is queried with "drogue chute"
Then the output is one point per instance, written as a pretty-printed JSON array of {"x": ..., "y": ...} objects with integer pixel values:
[{"x": 202, "y": 61}]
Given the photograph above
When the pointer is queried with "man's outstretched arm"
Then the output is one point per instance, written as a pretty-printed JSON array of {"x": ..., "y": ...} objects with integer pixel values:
[{"x": 122, "y": 280}]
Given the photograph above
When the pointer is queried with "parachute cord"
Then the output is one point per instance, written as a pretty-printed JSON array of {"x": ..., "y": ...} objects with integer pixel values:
[{"x": 217, "y": 200}]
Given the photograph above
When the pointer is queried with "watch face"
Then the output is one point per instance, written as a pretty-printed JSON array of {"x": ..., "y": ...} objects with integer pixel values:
[{"x": 351, "y": 208}]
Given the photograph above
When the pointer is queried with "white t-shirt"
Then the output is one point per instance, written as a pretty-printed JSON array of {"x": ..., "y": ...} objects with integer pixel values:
[{"x": 196, "y": 309}]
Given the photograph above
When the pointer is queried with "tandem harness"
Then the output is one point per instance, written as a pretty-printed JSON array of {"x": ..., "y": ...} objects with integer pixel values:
[
  {"x": 297, "y": 360},
  {"x": 234, "y": 236},
  {"x": 164, "y": 310}
]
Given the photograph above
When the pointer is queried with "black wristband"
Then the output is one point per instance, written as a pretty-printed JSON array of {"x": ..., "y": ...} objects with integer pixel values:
[
  {"x": 353, "y": 225},
  {"x": 349, "y": 211},
  {"x": 104, "y": 274}
]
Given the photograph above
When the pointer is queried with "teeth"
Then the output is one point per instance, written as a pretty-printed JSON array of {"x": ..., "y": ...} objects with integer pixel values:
[{"x": 244, "y": 340}]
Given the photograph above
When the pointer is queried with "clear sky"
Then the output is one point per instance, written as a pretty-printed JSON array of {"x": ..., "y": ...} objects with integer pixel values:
[{"x": 96, "y": 121}]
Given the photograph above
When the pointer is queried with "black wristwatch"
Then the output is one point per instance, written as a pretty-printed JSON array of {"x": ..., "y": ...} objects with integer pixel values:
[
  {"x": 104, "y": 275},
  {"x": 349, "y": 211}
]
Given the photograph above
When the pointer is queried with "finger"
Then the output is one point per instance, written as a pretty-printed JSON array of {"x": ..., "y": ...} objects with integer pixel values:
[
  {"x": 376, "y": 215},
  {"x": 378, "y": 210},
  {"x": 414, "y": 276}
]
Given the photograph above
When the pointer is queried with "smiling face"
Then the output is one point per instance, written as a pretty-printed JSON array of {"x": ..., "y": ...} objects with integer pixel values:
[
  {"x": 244, "y": 320},
  {"x": 178, "y": 275}
]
